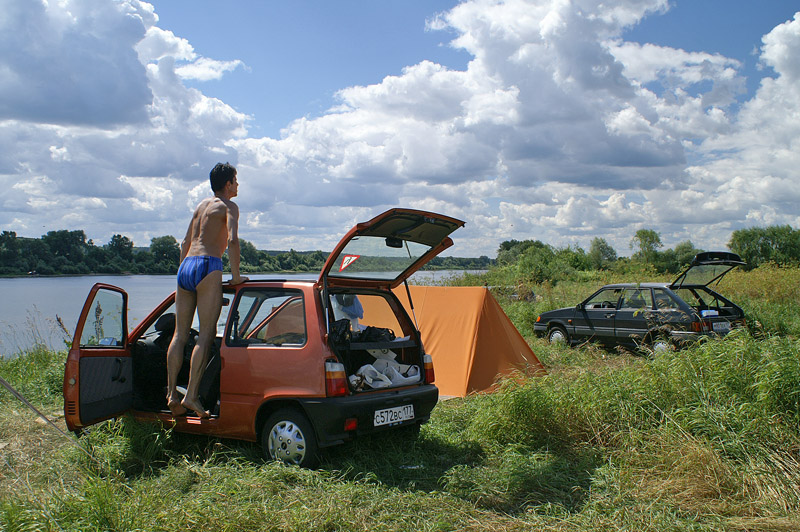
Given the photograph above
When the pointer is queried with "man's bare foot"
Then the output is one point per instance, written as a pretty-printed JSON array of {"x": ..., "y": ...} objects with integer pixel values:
[
  {"x": 196, "y": 407},
  {"x": 176, "y": 407}
]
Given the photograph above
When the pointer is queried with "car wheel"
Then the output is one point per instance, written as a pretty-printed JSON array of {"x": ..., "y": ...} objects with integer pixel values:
[
  {"x": 661, "y": 344},
  {"x": 289, "y": 437},
  {"x": 557, "y": 335}
]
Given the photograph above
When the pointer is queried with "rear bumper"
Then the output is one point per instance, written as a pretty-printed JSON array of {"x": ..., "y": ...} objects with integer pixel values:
[{"x": 329, "y": 414}]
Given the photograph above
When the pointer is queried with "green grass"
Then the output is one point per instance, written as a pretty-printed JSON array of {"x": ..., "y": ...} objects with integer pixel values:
[{"x": 706, "y": 438}]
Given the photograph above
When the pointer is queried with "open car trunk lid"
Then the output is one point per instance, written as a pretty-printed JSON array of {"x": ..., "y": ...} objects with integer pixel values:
[
  {"x": 386, "y": 250},
  {"x": 708, "y": 267}
]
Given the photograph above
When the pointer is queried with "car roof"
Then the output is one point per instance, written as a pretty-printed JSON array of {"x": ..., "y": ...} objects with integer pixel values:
[
  {"x": 637, "y": 285},
  {"x": 652, "y": 285}
]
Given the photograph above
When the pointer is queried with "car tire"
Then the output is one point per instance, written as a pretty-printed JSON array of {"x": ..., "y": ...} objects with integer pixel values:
[
  {"x": 558, "y": 335},
  {"x": 289, "y": 437}
]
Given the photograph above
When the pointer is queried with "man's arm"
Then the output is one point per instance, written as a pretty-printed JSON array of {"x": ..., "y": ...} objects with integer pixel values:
[
  {"x": 187, "y": 241},
  {"x": 233, "y": 243}
]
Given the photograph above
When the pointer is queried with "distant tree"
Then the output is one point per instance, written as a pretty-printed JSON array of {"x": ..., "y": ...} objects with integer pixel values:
[
  {"x": 575, "y": 257},
  {"x": 601, "y": 254},
  {"x": 35, "y": 255},
  {"x": 68, "y": 244},
  {"x": 540, "y": 263},
  {"x": 684, "y": 253},
  {"x": 510, "y": 250},
  {"x": 9, "y": 252},
  {"x": 121, "y": 246},
  {"x": 248, "y": 253},
  {"x": 757, "y": 245},
  {"x": 645, "y": 243},
  {"x": 165, "y": 250}
]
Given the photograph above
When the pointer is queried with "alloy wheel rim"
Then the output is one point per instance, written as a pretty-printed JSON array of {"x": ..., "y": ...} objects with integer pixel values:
[{"x": 287, "y": 443}]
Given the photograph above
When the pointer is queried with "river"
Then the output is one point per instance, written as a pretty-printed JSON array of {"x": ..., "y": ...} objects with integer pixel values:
[{"x": 31, "y": 306}]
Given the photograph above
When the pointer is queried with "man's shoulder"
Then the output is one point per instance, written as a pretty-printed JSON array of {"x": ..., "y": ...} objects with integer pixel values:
[{"x": 230, "y": 205}]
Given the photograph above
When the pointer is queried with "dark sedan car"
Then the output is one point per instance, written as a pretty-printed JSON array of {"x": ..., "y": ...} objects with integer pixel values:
[{"x": 653, "y": 314}]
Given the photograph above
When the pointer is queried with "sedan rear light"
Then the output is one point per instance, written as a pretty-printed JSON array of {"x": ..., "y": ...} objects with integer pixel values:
[
  {"x": 701, "y": 326},
  {"x": 430, "y": 375},
  {"x": 335, "y": 379}
]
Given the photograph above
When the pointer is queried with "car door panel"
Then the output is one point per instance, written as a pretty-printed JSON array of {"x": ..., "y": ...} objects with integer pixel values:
[
  {"x": 594, "y": 318},
  {"x": 98, "y": 377},
  {"x": 106, "y": 387},
  {"x": 634, "y": 315}
]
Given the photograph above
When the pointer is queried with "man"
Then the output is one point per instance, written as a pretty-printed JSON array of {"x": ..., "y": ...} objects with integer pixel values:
[{"x": 214, "y": 227}]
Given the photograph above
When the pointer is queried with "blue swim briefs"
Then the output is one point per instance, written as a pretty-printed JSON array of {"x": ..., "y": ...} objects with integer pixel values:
[{"x": 195, "y": 268}]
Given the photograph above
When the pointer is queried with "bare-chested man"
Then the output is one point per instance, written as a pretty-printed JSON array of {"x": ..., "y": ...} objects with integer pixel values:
[{"x": 214, "y": 227}]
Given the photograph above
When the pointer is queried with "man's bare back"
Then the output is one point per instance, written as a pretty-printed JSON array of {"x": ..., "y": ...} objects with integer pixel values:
[{"x": 208, "y": 231}]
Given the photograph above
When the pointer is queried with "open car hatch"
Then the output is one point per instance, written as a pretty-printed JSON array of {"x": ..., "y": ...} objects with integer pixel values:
[
  {"x": 388, "y": 249},
  {"x": 708, "y": 267}
]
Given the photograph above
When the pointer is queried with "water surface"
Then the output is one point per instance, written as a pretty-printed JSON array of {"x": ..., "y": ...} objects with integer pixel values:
[{"x": 31, "y": 306}]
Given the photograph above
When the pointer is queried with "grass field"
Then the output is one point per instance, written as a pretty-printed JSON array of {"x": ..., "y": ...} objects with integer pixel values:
[{"x": 707, "y": 438}]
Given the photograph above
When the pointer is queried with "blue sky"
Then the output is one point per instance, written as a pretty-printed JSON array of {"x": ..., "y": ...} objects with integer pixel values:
[
  {"x": 298, "y": 54},
  {"x": 529, "y": 119}
]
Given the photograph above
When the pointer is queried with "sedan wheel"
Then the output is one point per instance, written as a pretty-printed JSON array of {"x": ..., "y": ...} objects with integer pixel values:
[
  {"x": 661, "y": 344},
  {"x": 557, "y": 335},
  {"x": 289, "y": 437}
]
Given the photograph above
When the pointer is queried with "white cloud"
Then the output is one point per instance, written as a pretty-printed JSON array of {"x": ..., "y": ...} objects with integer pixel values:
[{"x": 557, "y": 130}]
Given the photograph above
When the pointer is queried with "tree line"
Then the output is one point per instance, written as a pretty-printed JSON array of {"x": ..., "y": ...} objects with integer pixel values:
[
  {"x": 536, "y": 262},
  {"x": 71, "y": 253}
]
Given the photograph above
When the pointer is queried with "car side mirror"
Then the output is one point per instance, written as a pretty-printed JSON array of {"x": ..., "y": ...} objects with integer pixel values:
[{"x": 579, "y": 306}]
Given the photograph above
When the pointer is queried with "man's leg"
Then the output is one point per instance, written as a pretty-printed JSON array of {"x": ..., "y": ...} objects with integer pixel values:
[
  {"x": 185, "y": 303},
  {"x": 209, "y": 304}
]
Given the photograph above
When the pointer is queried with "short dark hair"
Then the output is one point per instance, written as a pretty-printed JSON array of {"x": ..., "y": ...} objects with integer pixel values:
[{"x": 220, "y": 175}]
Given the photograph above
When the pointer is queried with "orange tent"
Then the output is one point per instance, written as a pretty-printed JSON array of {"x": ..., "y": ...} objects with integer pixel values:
[{"x": 470, "y": 338}]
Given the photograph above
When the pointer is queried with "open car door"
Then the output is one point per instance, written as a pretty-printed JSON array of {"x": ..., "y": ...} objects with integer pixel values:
[
  {"x": 386, "y": 250},
  {"x": 708, "y": 267},
  {"x": 98, "y": 377}
]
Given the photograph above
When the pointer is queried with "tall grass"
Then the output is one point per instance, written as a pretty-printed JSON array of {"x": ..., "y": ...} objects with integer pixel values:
[{"x": 706, "y": 438}]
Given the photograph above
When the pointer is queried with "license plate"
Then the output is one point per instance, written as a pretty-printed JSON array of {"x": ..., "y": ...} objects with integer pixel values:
[
  {"x": 390, "y": 416},
  {"x": 721, "y": 326}
]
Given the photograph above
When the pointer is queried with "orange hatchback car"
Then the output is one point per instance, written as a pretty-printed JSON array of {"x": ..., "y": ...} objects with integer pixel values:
[{"x": 297, "y": 365}]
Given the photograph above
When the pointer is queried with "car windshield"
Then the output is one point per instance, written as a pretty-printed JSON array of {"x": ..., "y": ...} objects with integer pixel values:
[{"x": 372, "y": 257}]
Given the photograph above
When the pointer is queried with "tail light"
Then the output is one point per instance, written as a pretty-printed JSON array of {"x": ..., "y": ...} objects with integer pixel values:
[
  {"x": 701, "y": 326},
  {"x": 430, "y": 375},
  {"x": 335, "y": 379}
]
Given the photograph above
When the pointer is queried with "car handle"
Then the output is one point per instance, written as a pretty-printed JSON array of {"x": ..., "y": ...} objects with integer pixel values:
[
  {"x": 118, "y": 371},
  {"x": 611, "y": 314}
]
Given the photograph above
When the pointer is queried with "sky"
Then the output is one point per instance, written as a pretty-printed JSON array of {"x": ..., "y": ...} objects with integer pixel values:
[{"x": 554, "y": 120}]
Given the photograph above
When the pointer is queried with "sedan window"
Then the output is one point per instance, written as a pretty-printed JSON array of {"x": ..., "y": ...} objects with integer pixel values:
[
  {"x": 636, "y": 298},
  {"x": 603, "y": 299},
  {"x": 663, "y": 300}
]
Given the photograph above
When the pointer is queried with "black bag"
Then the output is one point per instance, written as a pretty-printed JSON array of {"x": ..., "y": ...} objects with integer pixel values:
[
  {"x": 340, "y": 332},
  {"x": 375, "y": 334}
]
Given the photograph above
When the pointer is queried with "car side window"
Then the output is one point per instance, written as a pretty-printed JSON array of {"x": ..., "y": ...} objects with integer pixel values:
[
  {"x": 636, "y": 298},
  {"x": 604, "y": 299},
  {"x": 270, "y": 316},
  {"x": 663, "y": 300},
  {"x": 104, "y": 324}
]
